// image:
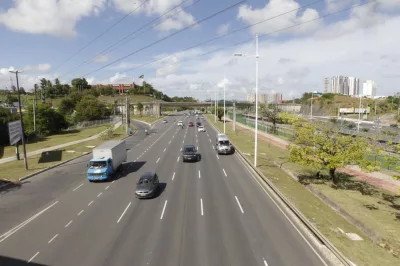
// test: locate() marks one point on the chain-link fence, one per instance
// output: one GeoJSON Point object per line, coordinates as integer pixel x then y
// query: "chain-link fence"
{"type": "Point", "coordinates": [95, 123]}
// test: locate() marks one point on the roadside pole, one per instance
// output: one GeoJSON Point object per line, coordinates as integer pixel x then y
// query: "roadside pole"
{"type": "Point", "coordinates": [234, 117]}
{"type": "Point", "coordinates": [127, 115]}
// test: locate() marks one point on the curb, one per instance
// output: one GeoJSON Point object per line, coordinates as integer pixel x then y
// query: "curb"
{"type": "Point", "coordinates": [318, 239]}
{"type": "Point", "coordinates": [56, 165]}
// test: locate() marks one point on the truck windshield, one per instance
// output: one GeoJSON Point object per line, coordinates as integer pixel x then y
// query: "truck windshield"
{"type": "Point", "coordinates": [94, 165]}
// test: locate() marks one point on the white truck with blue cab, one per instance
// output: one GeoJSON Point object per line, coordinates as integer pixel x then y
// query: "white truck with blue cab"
{"type": "Point", "coordinates": [107, 159]}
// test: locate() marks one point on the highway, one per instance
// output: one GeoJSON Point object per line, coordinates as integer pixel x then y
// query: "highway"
{"type": "Point", "coordinates": [212, 212]}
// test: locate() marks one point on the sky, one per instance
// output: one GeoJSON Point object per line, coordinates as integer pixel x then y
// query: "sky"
{"type": "Point", "coordinates": [187, 47]}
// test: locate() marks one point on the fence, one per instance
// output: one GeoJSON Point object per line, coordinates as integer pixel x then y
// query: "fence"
{"type": "Point", "coordinates": [95, 123]}
{"type": "Point", "coordinates": [282, 131]}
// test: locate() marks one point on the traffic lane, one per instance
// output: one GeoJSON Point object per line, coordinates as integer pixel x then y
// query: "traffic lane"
{"type": "Point", "coordinates": [177, 241]}
{"type": "Point", "coordinates": [228, 240]}
{"type": "Point", "coordinates": [70, 203]}
{"type": "Point", "coordinates": [84, 232]}
{"type": "Point", "coordinates": [264, 221]}
{"type": "Point", "coordinates": [38, 191]}
{"type": "Point", "coordinates": [148, 229]}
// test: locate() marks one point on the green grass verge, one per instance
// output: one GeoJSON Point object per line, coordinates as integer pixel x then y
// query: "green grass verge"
{"type": "Point", "coordinates": [146, 118]}
{"type": "Point", "coordinates": [322, 216]}
{"type": "Point", "coordinates": [15, 169]}
{"type": "Point", "coordinates": [55, 140]}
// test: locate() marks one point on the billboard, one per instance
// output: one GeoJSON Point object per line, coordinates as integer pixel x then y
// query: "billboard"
{"type": "Point", "coordinates": [14, 131]}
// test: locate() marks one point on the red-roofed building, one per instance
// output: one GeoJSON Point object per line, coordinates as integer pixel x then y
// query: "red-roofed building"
{"type": "Point", "coordinates": [121, 88]}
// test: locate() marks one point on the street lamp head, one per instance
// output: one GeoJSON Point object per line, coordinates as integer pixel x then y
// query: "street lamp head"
{"type": "Point", "coordinates": [15, 71]}
{"type": "Point", "coordinates": [238, 54]}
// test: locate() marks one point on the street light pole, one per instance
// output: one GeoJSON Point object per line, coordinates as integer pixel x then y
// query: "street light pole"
{"type": "Point", "coordinates": [256, 126]}
{"type": "Point", "coordinates": [20, 118]}
{"type": "Point", "coordinates": [224, 106]}
{"type": "Point", "coordinates": [359, 115]}
{"type": "Point", "coordinates": [312, 96]}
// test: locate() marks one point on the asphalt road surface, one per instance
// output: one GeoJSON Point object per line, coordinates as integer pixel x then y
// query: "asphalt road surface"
{"type": "Point", "coordinates": [212, 212]}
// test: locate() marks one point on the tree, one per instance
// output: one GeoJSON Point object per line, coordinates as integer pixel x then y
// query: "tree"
{"type": "Point", "coordinates": [89, 109]}
{"type": "Point", "coordinates": [66, 106]}
{"type": "Point", "coordinates": [140, 108]}
{"type": "Point", "coordinates": [80, 84]}
{"type": "Point", "coordinates": [108, 91]}
{"type": "Point", "coordinates": [319, 146]}
{"type": "Point", "coordinates": [271, 113]}
{"type": "Point", "coordinates": [13, 89]}
{"type": "Point", "coordinates": [11, 99]}
{"type": "Point", "coordinates": [22, 91]}
{"type": "Point", "coordinates": [48, 120]}
{"type": "Point", "coordinates": [220, 113]}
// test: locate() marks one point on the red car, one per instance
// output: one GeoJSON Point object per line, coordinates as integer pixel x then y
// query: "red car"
{"type": "Point", "coordinates": [190, 124]}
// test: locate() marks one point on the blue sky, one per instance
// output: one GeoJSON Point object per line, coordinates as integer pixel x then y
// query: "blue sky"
{"type": "Point", "coordinates": [39, 36]}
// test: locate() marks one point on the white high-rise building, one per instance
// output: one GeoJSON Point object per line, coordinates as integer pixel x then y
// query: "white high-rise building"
{"type": "Point", "coordinates": [354, 86]}
{"type": "Point", "coordinates": [369, 88]}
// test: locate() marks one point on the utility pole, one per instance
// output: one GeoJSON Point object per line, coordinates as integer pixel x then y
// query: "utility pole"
{"type": "Point", "coordinates": [234, 117]}
{"type": "Point", "coordinates": [34, 110]}
{"type": "Point", "coordinates": [127, 116]}
{"type": "Point", "coordinates": [359, 116]}
{"type": "Point", "coordinates": [21, 120]}
{"type": "Point", "coordinates": [256, 125]}
{"type": "Point", "coordinates": [224, 105]}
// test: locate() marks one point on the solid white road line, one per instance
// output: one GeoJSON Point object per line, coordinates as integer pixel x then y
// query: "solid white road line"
{"type": "Point", "coordinates": [15, 229]}
{"type": "Point", "coordinates": [173, 176]}
{"type": "Point", "coordinates": [107, 187]}
{"type": "Point", "coordinates": [162, 213]}
{"type": "Point", "coordinates": [124, 212]}
{"type": "Point", "coordinates": [224, 172]}
{"type": "Point", "coordinates": [240, 206]}
{"type": "Point", "coordinates": [90, 203]}
{"type": "Point", "coordinates": [99, 194]}
{"type": "Point", "coordinates": [37, 253]}
{"type": "Point", "coordinates": [199, 174]}
{"type": "Point", "coordinates": [77, 187]}
{"type": "Point", "coordinates": [158, 160]}
{"type": "Point", "coordinates": [164, 149]}
{"type": "Point", "coordinates": [80, 212]}
{"type": "Point", "coordinates": [201, 205]}
{"type": "Point", "coordinates": [178, 159]}
{"type": "Point", "coordinates": [54, 237]}
{"type": "Point", "coordinates": [265, 262]}
{"type": "Point", "coordinates": [68, 224]}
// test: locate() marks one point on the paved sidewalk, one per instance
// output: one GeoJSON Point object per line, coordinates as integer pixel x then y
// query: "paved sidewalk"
{"type": "Point", "coordinates": [377, 179]}
{"type": "Point", "coordinates": [32, 153]}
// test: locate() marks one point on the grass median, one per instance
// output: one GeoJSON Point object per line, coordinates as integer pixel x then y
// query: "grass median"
{"type": "Point", "coordinates": [382, 220]}
{"type": "Point", "coordinates": [14, 170]}
{"type": "Point", "coordinates": [55, 140]}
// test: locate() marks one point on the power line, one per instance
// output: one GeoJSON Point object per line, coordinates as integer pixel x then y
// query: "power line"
{"type": "Point", "coordinates": [259, 36]}
{"type": "Point", "coordinates": [224, 35]}
{"type": "Point", "coordinates": [167, 37]}
{"type": "Point", "coordinates": [109, 49]}
{"type": "Point", "coordinates": [100, 35]}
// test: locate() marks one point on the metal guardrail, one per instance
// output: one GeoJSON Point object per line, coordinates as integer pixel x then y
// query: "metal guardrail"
{"type": "Point", "coordinates": [294, 210]}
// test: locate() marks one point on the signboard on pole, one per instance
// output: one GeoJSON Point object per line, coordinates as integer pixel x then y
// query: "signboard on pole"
{"type": "Point", "coordinates": [14, 131]}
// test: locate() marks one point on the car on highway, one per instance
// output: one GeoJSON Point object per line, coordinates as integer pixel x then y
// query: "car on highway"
{"type": "Point", "coordinates": [198, 124]}
{"type": "Point", "coordinates": [190, 124]}
{"type": "Point", "coordinates": [190, 154]}
{"type": "Point", "coordinates": [147, 185]}
{"type": "Point", "coordinates": [165, 121]}
{"type": "Point", "coordinates": [180, 123]}
{"type": "Point", "coordinates": [394, 125]}
{"type": "Point", "coordinates": [201, 129]}
{"type": "Point", "coordinates": [223, 145]}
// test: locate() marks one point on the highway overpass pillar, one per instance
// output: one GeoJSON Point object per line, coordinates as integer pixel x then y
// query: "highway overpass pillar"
{"type": "Point", "coordinates": [234, 117]}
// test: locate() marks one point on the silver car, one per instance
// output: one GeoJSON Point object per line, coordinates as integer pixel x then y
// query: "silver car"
{"type": "Point", "coordinates": [147, 186]}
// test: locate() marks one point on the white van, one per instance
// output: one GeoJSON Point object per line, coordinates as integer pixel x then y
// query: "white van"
{"type": "Point", "coordinates": [223, 145]}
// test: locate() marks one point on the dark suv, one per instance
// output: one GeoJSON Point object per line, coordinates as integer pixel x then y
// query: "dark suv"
{"type": "Point", "coordinates": [147, 186]}
{"type": "Point", "coordinates": [190, 154]}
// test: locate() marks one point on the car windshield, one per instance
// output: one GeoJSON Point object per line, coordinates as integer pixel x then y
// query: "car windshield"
{"type": "Point", "coordinates": [144, 181]}
{"type": "Point", "coordinates": [95, 165]}
{"type": "Point", "coordinates": [224, 142]}
{"type": "Point", "coordinates": [189, 149]}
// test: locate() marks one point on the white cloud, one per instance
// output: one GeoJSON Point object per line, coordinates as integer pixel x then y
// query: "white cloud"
{"type": "Point", "coordinates": [388, 4]}
{"type": "Point", "coordinates": [175, 20]}
{"type": "Point", "coordinates": [118, 78]}
{"type": "Point", "coordinates": [101, 58]}
{"type": "Point", "coordinates": [167, 66]}
{"type": "Point", "coordinates": [37, 68]}
{"type": "Point", "coordinates": [124, 65]}
{"type": "Point", "coordinates": [276, 7]}
{"type": "Point", "coordinates": [336, 5]}
{"type": "Point", "coordinates": [297, 65]}
{"type": "Point", "coordinates": [223, 29]}
{"type": "Point", "coordinates": [50, 17]}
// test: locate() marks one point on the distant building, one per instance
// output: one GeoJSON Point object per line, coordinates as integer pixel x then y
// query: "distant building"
{"type": "Point", "coordinates": [354, 86]}
{"type": "Point", "coordinates": [369, 88]}
{"type": "Point", "coordinates": [251, 97]}
{"type": "Point", "coordinates": [326, 85]}
{"type": "Point", "coordinates": [345, 85]}
{"type": "Point", "coordinates": [265, 98]}
{"type": "Point", "coordinates": [120, 88]}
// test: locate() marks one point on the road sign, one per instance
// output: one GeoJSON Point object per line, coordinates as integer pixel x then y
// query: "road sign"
{"type": "Point", "coordinates": [14, 131]}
